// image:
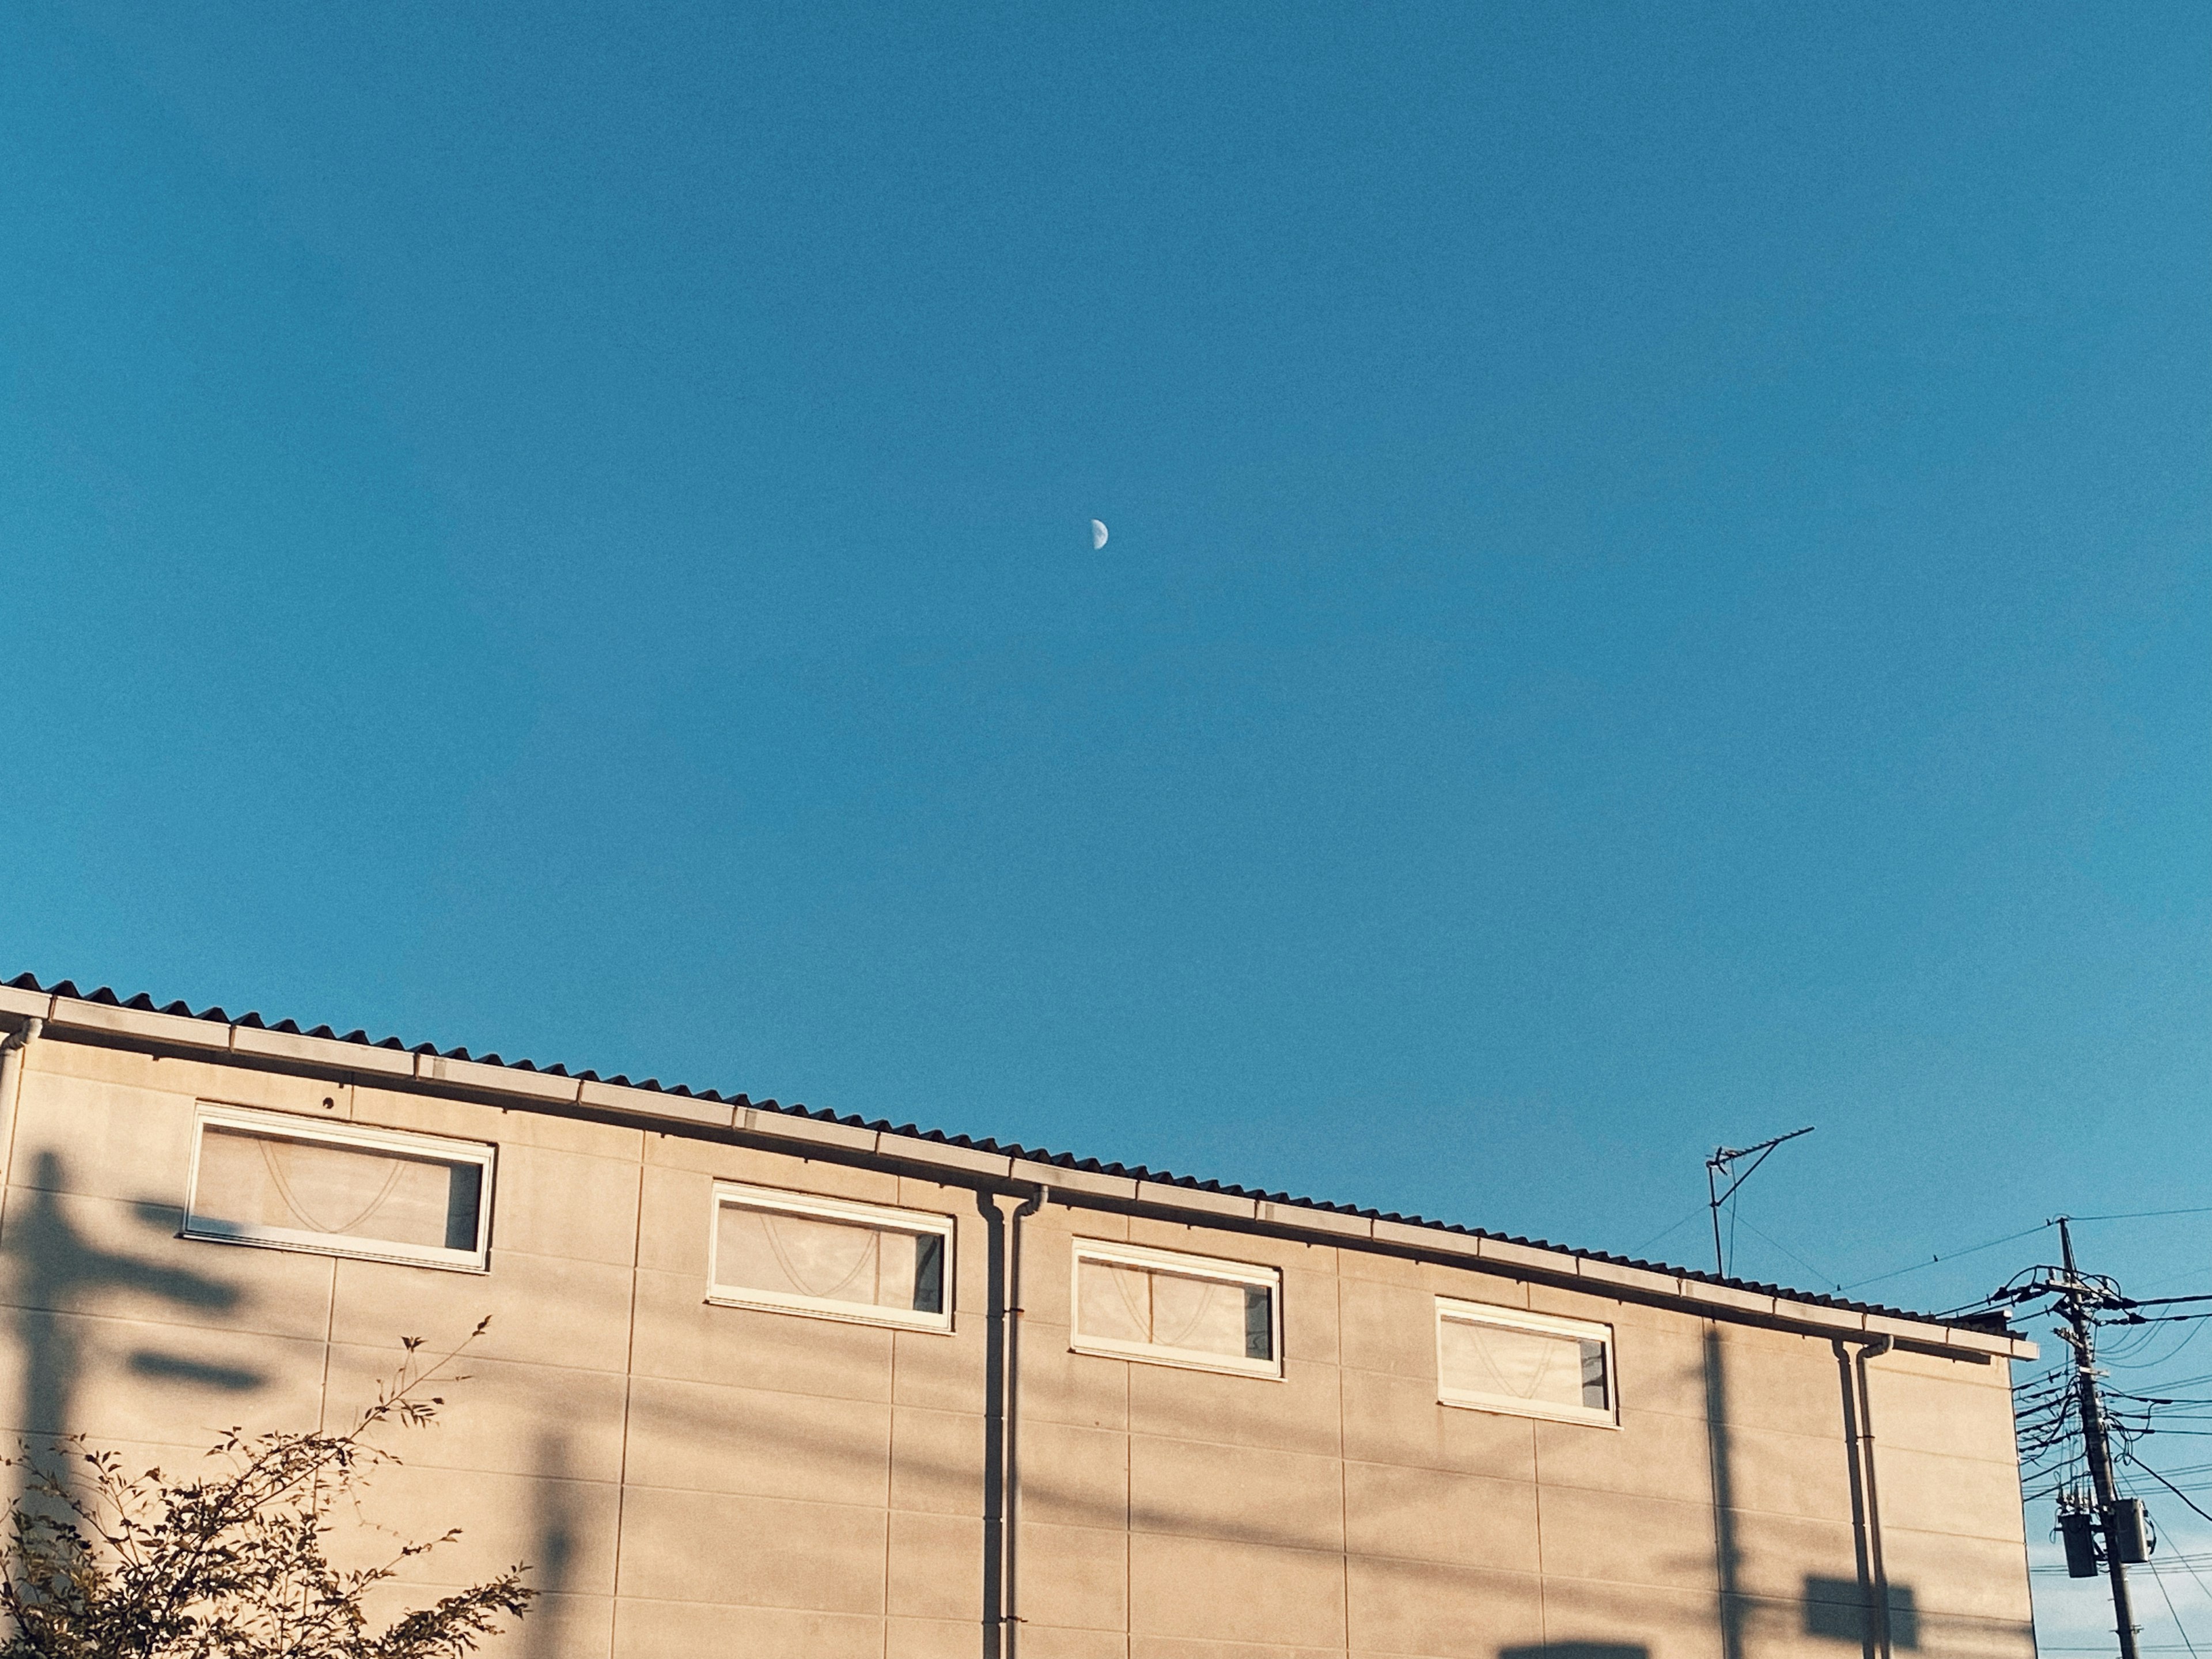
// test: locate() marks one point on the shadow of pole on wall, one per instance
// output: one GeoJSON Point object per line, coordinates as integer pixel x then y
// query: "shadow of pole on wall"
{"type": "Point", "coordinates": [555, 1547]}
{"type": "Point", "coordinates": [58, 1275]}
{"type": "Point", "coordinates": [1726, 1553]}
{"type": "Point", "coordinates": [1577, 1651]}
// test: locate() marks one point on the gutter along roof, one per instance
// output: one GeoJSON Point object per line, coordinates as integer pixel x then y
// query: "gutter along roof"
{"type": "Point", "coordinates": [102, 1014]}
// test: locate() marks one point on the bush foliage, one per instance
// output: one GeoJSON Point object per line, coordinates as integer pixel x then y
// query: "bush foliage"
{"type": "Point", "coordinates": [231, 1563]}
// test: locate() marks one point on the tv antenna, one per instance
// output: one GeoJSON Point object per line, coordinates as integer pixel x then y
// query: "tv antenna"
{"type": "Point", "coordinates": [1721, 1166]}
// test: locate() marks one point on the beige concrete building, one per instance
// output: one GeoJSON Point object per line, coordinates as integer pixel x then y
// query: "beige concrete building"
{"type": "Point", "coordinates": [752, 1386]}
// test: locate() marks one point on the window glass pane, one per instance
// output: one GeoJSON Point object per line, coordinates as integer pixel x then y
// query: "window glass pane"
{"type": "Point", "coordinates": [1202, 1314]}
{"type": "Point", "coordinates": [1594, 1382]}
{"type": "Point", "coordinates": [1259, 1323]}
{"type": "Point", "coordinates": [829, 1259]}
{"type": "Point", "coordinates": [1544, 1367]}
{"type": "Point", "coordinates": [928, 1273]}
{"type": "Point", "coordinates": [1121, 1302]}
{"type": "Point", "coordinates": [256, 1182]}
{"type": "Point", "coordinates": [1116, 1302]}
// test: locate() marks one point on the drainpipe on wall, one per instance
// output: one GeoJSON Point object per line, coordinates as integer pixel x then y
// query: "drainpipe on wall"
{"type": "Point", "coordinates": [11, 1090]}
{"type": "Point", "coordinates": [1873, 1349]}
{"type": "Point", "coordinates": [1010, 1610]}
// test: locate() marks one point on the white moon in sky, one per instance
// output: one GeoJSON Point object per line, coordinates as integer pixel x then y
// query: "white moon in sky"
{"type": "Point", "coordinates": [1098, 535]}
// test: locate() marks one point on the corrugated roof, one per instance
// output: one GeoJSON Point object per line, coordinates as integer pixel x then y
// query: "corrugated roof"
{"type": "Point", "coordinates": [1988, 1323]}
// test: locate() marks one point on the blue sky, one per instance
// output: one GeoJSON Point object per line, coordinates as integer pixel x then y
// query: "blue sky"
{"type": "Point", "coordinates": [1658, 588]}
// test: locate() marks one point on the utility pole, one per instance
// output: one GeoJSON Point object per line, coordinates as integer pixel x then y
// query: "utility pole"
{"type": "Point", "coordinates": [1722, 1164]}
{"type": "Point", "coordinates": [2076, 1299]}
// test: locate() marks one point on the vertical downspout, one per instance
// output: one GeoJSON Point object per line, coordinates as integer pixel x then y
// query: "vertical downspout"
{"type": "Point", "coordinates": [995, 1424]}
{"type": "Point", "coordinates": [1873, 1350]}
{"type": "Point", "coordinates": [1012, 1414]}
{"type": "Point", "coordinates": [11, 1090]}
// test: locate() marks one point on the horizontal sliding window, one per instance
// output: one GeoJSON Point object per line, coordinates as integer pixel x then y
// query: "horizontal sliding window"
{"type": "Point", "coordinates": [1533, 1364]}
{"type": "Point", "coordinates": [798, 1254]}
{"type": "Point", "coordinates": [268, 1178]}
{"type": "Point", "coordinates": [1177, 1309]}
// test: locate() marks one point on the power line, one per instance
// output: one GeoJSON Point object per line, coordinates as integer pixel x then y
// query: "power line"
{"type": "Point", "coordinates": [2159, 1578]}
{"type": "Point", "coordinates": [2166, 1483]}
{"type": "Point", "coordinates": [2142, 1215]}
{"type": "Point", "coordinates": [1670, 1232]}
{"type": "Point", "coordinates": [1975, 1249]}
{"type": "Point", "coordinates": [1972, 1250]}
{"type": "Point", "coordinates": [1824, 1278]}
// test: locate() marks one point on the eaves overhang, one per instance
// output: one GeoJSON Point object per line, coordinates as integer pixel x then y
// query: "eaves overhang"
{"type": "Point", "coordinates": [102, 1016]}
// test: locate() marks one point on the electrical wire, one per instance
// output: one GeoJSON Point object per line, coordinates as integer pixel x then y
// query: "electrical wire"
{"type": "Point", "coordinates": [1824, 1278]}
{"type": "Point", "coordinates": [2159, 1578]}
{"type": "Point", "coordinates": [1670, 1232]}
{"type": "Point", "coordinates": [2142, 1215]}
{"type": "Point", "coordinates": [2166, 1483]}
{"type": "Point", "coordinates": [1972, 1250]}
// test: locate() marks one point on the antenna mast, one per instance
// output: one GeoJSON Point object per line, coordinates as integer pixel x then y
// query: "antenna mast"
{"type": "Point", "coordinates": [1720, 1167]}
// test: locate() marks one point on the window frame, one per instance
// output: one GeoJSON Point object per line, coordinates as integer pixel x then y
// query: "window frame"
{"type": "Point", "coordinates": [1250, 1274]}
{"type": "Point", "coordinates": [1456, 1309]}
{"type": "Point", "coordinates": [360, 1137]}
{"type": "Point", "coordinates": [884, 1217]}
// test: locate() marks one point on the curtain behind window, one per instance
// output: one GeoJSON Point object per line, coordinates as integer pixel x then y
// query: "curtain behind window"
{"type": "Point", "coordinates": [1543, 1366]}
{"type": "Point", "coordinates": [832, 1261]}
{"type": "Point", "coordinates": [1119, 1303]}
{"type": "Point", "coordinates": [254, 1182]}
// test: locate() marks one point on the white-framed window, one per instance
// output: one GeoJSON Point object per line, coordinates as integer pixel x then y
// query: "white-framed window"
{"type": "Point", "coordinates": [831, 1257]}
{"type": "Point", "coordinates": [1505, 1359]}
{"type": "Point", "coordinates": [1176, 1309]}
{"type": "Point", "coordinates": [298, 1183]}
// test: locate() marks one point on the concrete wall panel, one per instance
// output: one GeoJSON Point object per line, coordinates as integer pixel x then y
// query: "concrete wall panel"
{"type": "Point", "coordinates": [759, 1443]}
{"type": "Point", "coordinates": [945, 1372]}
{"type": "Point", "coordinates": [1397, 1419]}
{"type": "Point", "coordinates": [103, 1255]}
{"type": "Point", "coordinates": [1592, 1614]}
{"type": "Point", "coordinates": [1241, 1493]}
{"type": "Point", "coordinates": [1439, 1612]}
{"type": "Point", "coordinates": [936, 1461]}
{"type": "Point", "coordinates": [1075, 1577]}
{"type": "Point", "coordinates": [1214, 1590]}
{"type": "Point", "coordinates": [99, 1138]}
{"type": "Point", "coordinates": [1432, 1514]}
{"type": "Point", "coordinates": [1390, 1328]}
{"type": "Point", "coordinates": [171, 1384]}
{"type": "Point", "coordinates": [1074, 1477]}
{"type": "Point", "coordinates": [545, 1310]}
{"type": "Point", "coordinates": [502, 1418]}
{"type": "Point", "coordinates": [645, 1629]}
{"type": "Point", "coordinates": [753, 1552]}
{"type": "Point", "coordinates": [936, 1567]}
{"type": "Point", "coordinates": [932, 1638]}
{"type": "Point", "coordinates": [548, 1202]}
{"type": "Point", "coordinates": [1662, 1543]}
{"type": "Point", "coordinates": [1082, 1390]}
{"type": "Point", "coordinates": [1926, 1492]}
{"type": "Point", "coordinates": [681, 1335]}
{"type": "Point", "coordinates": [1302, 1412]}
{"type": "Point", "coordinates": [1650, 1455]}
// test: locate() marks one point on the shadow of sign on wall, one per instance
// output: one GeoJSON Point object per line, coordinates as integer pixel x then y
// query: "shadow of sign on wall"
{"type": "Point", "coordinates": [58, 1275]}
{"type": "Point", "coordinates": [1836, 1608]}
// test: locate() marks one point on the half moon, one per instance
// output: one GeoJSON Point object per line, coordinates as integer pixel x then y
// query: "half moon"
{"type": "Point", "coordinates": [1098, 535]}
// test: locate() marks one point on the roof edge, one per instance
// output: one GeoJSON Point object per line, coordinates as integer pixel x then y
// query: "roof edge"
{"type": "Point", "coordinates": [100, 1014]}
